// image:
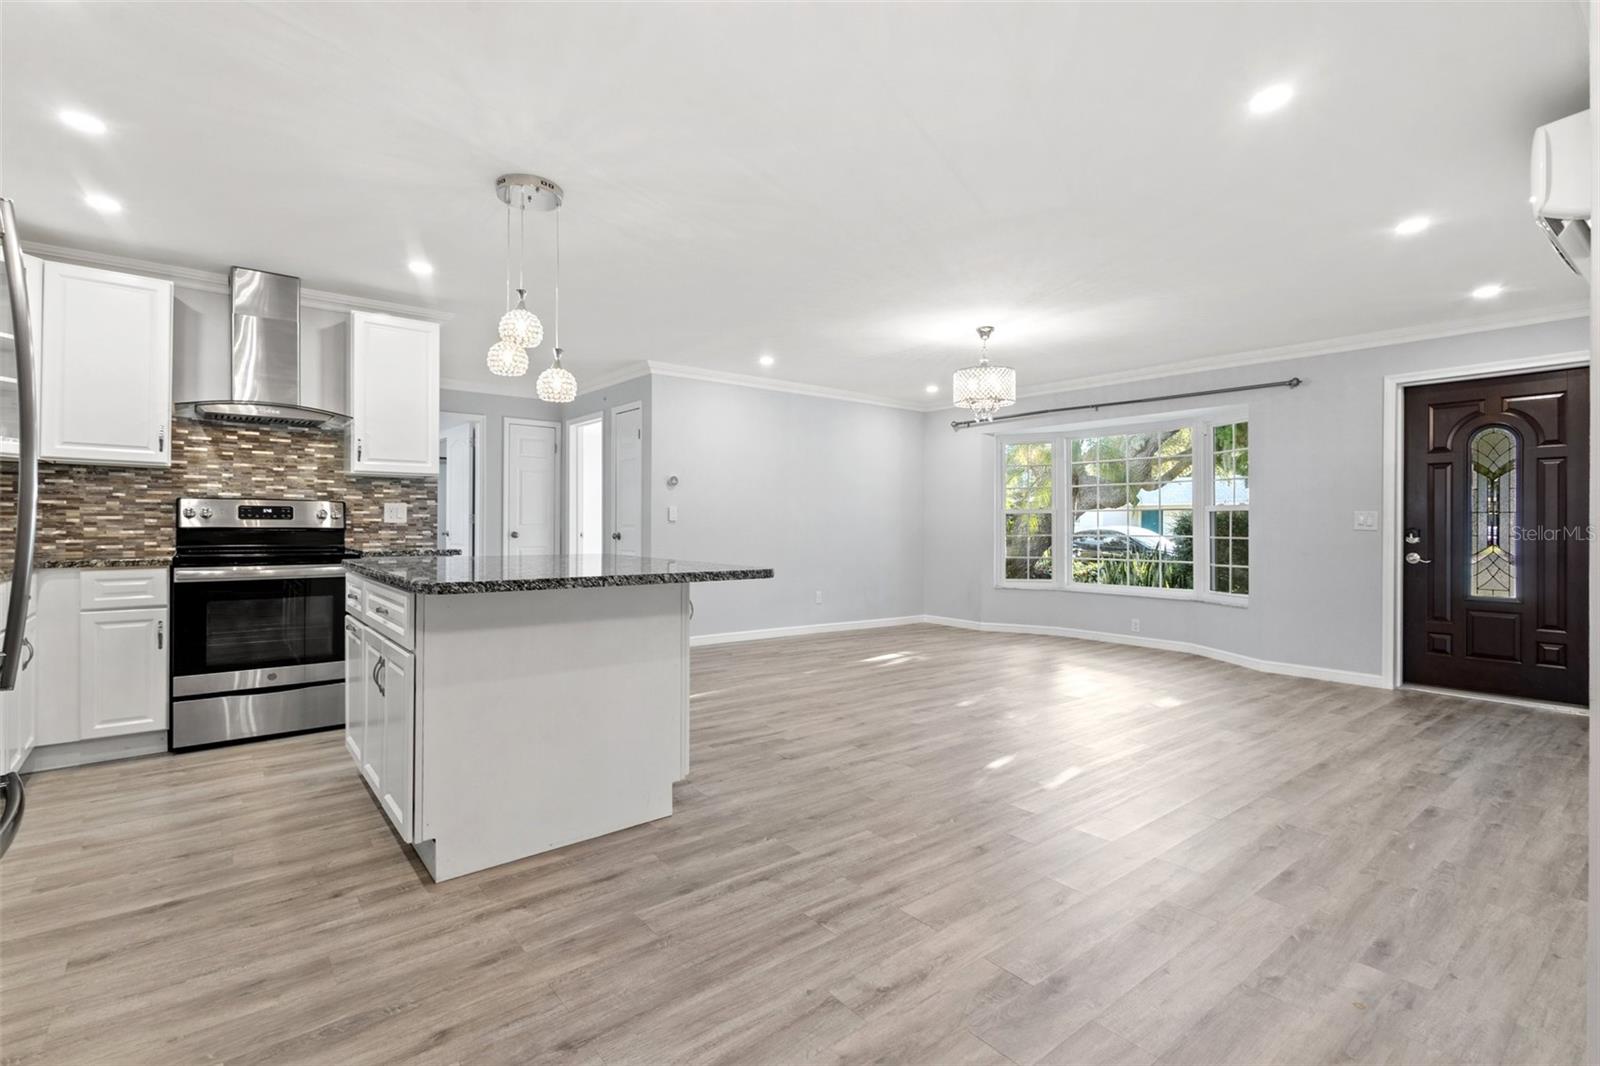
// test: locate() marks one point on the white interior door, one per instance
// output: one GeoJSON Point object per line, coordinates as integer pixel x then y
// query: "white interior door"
{"type": "Point", "coordinates": [457, 481]}
{"type": "Point", "coordinates": [531, 482]}
{"type": "Point", "coordinates": [627, 478]}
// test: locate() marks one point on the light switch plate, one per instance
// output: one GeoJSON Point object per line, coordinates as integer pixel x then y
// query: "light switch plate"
{"type": "Point", "coordinates": [1367, 521]}
{"type": "Point", "coordinates": [394, 512]}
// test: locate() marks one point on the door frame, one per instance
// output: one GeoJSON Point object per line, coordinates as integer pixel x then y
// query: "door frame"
{"type": "Point", "coordinates": [480, 430]}
{"type": "Point", "coordinates": [569, 479]}
{"type": "Point", "coordinates": [610, 474]}
{"type": "Point", "coordinates": [1393, 502]}
{"type": "Point", "coordinates": [506, 422]}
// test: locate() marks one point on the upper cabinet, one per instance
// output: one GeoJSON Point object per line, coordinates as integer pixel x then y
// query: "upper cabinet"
{"type": "Point", "coordinates": [106, 343]}
{"type": "Point", "coordinates": [10, 411]}
{"type": "Point", "coordinates": [394, 395]}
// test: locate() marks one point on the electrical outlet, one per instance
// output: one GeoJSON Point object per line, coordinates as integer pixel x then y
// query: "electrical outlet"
{"type": "Point", "coordinates": [819, 595]}
{"type": "Point", "coordinates": [1135, 623]}
{"type": "Point", "coordinates": [1367, 521]}
{"type": "Point", "coordinates": [672, 512]}
{"type": "Point", "coordinates": [394, 512]}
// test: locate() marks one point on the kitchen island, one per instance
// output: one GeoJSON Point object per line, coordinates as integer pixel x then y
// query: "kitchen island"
{"type": "Point", "coordinates": [502, 706]}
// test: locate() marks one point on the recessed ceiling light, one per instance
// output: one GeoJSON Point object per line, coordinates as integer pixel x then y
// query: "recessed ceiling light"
{"type": "Point", "coordinates": [103, 203]}
{"type": "Point", "coordinates": [766, 360]}
{"type": "Point", "coordinates": [81, 121]}
{"type": "Point", "coordinates": [931, 389]}
{"type": "Point", "coordinates": [421, 268]}
{"type": "Point", "coordinates": [1487, 292]}
{"type": "Point", "coordinates": [1409, 227]}
{"type": "Point", "coordinates": [1272, 98]}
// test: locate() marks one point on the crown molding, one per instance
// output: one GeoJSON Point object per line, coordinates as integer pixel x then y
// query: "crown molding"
{"type": "Point", "coordinates": [494, 386]}
{"type": "Point", "coordinates": [748, 381]}
{"type": "Point", "coordinates": [625, 372]}
{"type": "Point", "coordinates": [213, 282]}
{"type": "Point", "coordinates": [1352, 343]}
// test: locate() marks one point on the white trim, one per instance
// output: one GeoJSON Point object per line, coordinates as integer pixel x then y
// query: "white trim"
{"type": "Point", "coordinates": [480, 440]}
{"type": "Point", "coordinates": [494, 386]}
{"type": "Point", "coordinates": [1393, 502]}
{"type": "Point", "coordinates": [1310, 349]}
{"type": "Point", "coordinates": [750, 381]}
{"type": "Point", "coordinates": [1266, 666]}
{"type": "Point", "coordinates": [213, 282]}
{"type": "Point", "coordinates": [742, 635]}
{"type": "Point", "coordinates": [506, 421]}
{"type": "Point", "coordinates": [626, 372]}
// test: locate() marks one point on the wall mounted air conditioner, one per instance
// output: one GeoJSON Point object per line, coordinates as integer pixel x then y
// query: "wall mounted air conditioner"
{"type": "Point", "coordinates": [1562, 161]}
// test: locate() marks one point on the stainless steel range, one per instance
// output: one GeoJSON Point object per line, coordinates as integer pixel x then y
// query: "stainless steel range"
{"type": "Point", "coordinates": [257, 607]}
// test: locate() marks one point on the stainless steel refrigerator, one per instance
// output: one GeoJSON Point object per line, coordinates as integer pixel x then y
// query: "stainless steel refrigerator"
{"type": "Point", "coordinates": [19, 367]}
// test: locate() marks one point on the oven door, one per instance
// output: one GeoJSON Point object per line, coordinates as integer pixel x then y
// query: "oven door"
{"type": "Point", "coordinates": [238, 628]}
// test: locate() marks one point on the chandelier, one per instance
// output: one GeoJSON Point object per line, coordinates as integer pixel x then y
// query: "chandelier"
{"type": "Point", "coordinates": [556, 383]}
{"type": "Point", "coordinates": [985, 388]}
{"type": "Point", "coordinates": [520, 329]}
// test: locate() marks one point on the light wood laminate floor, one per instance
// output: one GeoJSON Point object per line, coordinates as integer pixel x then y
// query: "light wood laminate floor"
{"type": "Point", "coordinates": [914, 844]}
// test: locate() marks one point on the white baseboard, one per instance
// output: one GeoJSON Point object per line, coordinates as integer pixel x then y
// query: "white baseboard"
{"type": "Point", "coordinates": [742, 635]}
{"type": "Point", "coordinates": [1267, 666]}
{"type": "Point", "coordinates": [100, 749]}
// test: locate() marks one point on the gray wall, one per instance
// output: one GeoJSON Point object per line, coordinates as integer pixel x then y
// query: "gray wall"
{"type": "Point", "coordinates": [1316, 589]}
{"type": "Point", "coordinates": [496, 408]}
{"type": "Point", "coordinates": [827, 492]}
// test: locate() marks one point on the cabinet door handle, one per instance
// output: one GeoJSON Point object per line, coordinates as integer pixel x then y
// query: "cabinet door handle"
{"type": "Point", "coordinates": [358, 449]}
{"type": "Point", "coordinates": [161, 438]}
{"type": "Point", "coordinates": [382, 671]}
{"type": "Point", "coordinates": [161, 636]}
{"type": "Point", "coordinates": [380, 609]}
{"type": "Point", "coordinates": [27, 646]}
{"type": "Point", "coordinates": [350, 627]}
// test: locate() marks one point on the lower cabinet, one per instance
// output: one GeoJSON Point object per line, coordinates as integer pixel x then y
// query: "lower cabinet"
{"type": "Point", "coordinates": [19, 712]}
{"type": "Point", "coordinates": [380, 719]}
{"type": "Point", "coordinates": [122, 671]}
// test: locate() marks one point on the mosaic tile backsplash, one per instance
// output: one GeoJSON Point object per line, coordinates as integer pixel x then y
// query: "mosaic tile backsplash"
{"type": "Point", "coordinates": [105, 513]}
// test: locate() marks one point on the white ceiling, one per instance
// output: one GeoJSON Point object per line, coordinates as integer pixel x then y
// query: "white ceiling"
{"type": "Point", "coordinates": [852, 189]}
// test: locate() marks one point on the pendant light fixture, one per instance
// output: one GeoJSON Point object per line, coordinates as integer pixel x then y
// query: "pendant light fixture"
{"type": "Point", "coordinates": [556, 383]}
{"type": "Point", "coordinates": [985, 388]}
{"type": "Point", "coordinates": [520, 328]}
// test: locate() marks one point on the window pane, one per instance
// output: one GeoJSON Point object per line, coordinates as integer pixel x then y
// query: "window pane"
{"type": "Point", "coordinates": [1241, 551]}
{"type": "Point", "coordinates": [1222, 438]}
{"type": "Point", "coordinates": [1241, 580]}
{"type": "Point", "coordinates": [1177, 575]}
{"type": "Point", "coordinates": [1016, 569]}
{"type": "Point", "coordinates": [1222, 551]}
{"type": "Point", "coordinates": [1241, 523]}
{"type": "Point", "coordinates": [1241, 435]}
{"type": "Point", "coordinates": [1493, 451]}
{"type": "Point", "coordinates": [1219, 579]}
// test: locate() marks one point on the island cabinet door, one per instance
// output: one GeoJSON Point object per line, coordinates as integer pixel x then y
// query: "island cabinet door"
{"type": "Point", "coordinates": [355, 691]}
{"type": "Point", "coordinates": [397, 687]}
{"type": "Point", "coordinates": [369, 738]}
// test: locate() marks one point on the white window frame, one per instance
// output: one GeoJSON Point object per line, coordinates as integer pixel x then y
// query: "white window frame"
{"type": "Point", "coordinates": [1060, 440]}
{"type": "Point", "coordinates": [1235, 598]}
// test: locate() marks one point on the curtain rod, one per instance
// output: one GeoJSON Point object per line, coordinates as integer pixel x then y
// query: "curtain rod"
{"type": "Point", "coordinates": [1286, 383]}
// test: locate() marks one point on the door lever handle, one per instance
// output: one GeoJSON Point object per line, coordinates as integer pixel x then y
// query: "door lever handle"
{"type": "Point", "coordinates": [1414, 558]}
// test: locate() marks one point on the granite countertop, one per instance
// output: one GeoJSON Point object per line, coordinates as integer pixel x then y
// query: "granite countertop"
{"type": "Point", "coordinates": [458, 574]}
{"type": "Point", "coordinates": [143, 562]}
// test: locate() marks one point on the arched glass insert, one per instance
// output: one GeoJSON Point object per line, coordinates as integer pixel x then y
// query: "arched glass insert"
{"type": "Point", "coordinates": [1493, 453]}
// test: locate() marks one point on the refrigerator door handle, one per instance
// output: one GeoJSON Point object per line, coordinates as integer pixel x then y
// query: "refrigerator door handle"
{"type": "Point", "coordinates": [27, 459]}
{"type": "Point", "coordinates": [11, 787]}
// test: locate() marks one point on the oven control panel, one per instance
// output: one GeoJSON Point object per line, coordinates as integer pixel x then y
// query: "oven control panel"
{"type": "Point", "coordinates": [256, 514]}
{"type": "Point", "coordinates": [276, 512]}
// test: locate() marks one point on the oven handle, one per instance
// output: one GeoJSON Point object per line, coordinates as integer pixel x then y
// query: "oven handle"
{"type": "Point", "coordinates": [183, 575]}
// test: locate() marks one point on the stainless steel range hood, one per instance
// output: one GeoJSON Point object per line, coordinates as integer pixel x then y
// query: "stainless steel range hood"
{"type": "Point", "coordinates": [266, 359]}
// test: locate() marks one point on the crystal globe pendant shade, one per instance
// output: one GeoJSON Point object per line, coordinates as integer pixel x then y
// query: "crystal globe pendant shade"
{"type": "Point", "coordinates": [556, 384]}
{"type": "Point", "coordinates": [507, 359]}
{"type": "Point", "coordinates": [521, 326]}
{"type": "Point", "coordinates": [985, 388]}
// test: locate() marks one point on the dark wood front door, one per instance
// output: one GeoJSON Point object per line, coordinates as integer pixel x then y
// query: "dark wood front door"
{"type": "Point", "coordinates": [1495, 531]}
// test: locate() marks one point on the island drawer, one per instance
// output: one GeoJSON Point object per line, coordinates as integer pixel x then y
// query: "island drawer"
{"type": "Point", "coordinates": [389, 612]}
{"type": "Point", "coordinates": [355, 595]}
{"type": "Point", "coordinates": [115, 587]}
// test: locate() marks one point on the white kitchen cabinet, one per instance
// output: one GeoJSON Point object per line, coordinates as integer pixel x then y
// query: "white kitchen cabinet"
{"type": "Point", "coordinates": [10, 429]}
{"type": "Point", "coordinates": [380, 710]}
{"type": "Point", "coordinates": [394, 396]}
{"type": "Point", "coordinates": [355, 694]}
{"type": "Point", "coordinates": [106, 339]}
{"type": "Point", "coordinates": [396, 686]}
{"type": "Point", "coordinates": [19, 710]}
{"type": "Point", "coordinates": [122, 671]}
